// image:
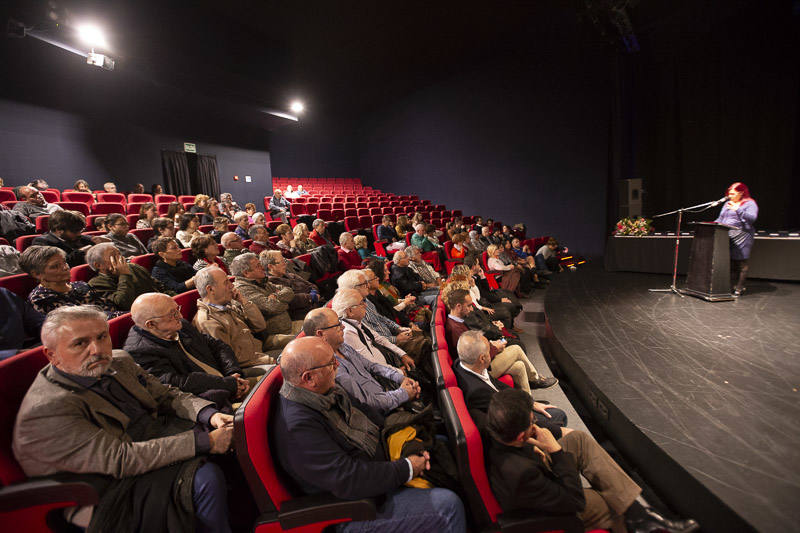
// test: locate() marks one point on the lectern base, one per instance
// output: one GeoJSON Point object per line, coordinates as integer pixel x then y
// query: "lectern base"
{"type": "Point", "coordinates": [721, 297]}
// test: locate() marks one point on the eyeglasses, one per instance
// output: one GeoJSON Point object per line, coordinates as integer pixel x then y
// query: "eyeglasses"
{"type": "Point", "coordinates": [332, 362]}
{"type": "Point", "coordinates": [337, 325]}
{"type": "Point", "coordinates": [362, 284]}
{"type": "Point", "coordinates": [175, 313]}
{"type": "Point", "coordinates": [362, 303]}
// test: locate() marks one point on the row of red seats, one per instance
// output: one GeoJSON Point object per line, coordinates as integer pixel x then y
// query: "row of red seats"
{"type": "Point", "coordinates": [69, 195]}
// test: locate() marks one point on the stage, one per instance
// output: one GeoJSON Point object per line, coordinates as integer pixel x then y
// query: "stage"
{"type": "Point", "coordinates": [702, 398]}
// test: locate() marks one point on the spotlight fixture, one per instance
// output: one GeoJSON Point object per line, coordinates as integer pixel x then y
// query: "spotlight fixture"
{"type": "Point", "coordinates": [297, 106]}
{"type": "Point", "coordinates": [92, 35]}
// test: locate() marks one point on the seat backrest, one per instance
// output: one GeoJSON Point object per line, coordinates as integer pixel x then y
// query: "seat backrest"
{"type": "Point", "coordinates": [111, 197]}
{"type": "Point", "coordinates": [134, 207]}
{"type": "Point", "coordinates": [105, 208]}
{"type": "Point", "coordinates": [188, 303]}
{"type": "Point", "coordinates": [6, 195]}
{"type": "Point", "coordinates": [184, 198]}
{"type": "Point", "coordinates": [253, 447]}
{"type": "Point", "coordinates": [81, 273]}
{"type": "Point", "coordinates": [19, 284]}
{"type": "Point", "coordinates": [23, 242]}
{"type": "Point", "coordinates": [466, 439]}
{"type": "Point", "coordinates": [16, 375]}
{"type": "Point", "coordinates": [146, 261]}
{"type": "Point", "coordinates": [448, 246]}
{"type": "Point", "coordinates": [42, 223]}
{"type": "Point", "coordinates": [75, 206]}
{"type": "Point", "coordinates": [351, 223]}
{"type": "Point", "coordinates": [139, 198]}
{"type": "Point", "coordinates": [165, 198]}
{"type": "Point", "coordinates": [118, 329]}
{"type": "Point", "coordinates": [143, 234]}
{"type": "Point", "coordinates": [51, 196]}
{"type": "Point", "coordinates": [76, 196]}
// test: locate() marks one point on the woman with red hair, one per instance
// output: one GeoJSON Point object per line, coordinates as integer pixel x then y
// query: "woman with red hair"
{"type": "Point", "coordinates": [740, 212]}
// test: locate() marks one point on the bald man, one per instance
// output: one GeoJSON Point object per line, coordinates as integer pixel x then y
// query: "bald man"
{"type": "Point", "coordinates": [32, 204]}
{"type": "Point", "coordinates": [327, 444]}
{"type": "Point", "coordinates": [378, 386]}
{"type": "Point", "coordinates": [171, 349]}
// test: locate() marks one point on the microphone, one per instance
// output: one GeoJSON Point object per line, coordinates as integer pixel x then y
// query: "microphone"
{"type": "Point", "coordinates": [717, 202]}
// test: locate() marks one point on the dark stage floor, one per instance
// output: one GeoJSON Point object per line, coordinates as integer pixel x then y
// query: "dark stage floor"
{"type": "Point", "coordinates": [713, 385]}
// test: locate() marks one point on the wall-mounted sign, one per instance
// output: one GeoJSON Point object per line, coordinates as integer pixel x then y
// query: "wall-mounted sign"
{"type": "Point", "coordinates": [248, 179]}
{"type": "Point", "coordinates": [190, 147]}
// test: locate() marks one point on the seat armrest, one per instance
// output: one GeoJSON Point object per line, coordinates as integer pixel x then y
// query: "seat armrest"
{"type": "Point", "coordinates": [322, 508]}
{"type": "Point", "coordinates": [42, 492]}
{"type": "Point", "coordinates": [525, 522]}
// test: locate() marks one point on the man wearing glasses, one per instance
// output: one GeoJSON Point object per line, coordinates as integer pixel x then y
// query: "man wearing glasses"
{"type": "Point", "coordinates": [360, 377]}
{"type": "Point", "coordinates": [177, 354]}
{"type": "Point", "coordinates": [326, 443]}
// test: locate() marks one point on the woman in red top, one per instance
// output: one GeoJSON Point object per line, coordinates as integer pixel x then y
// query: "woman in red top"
{"type": "Point", "coordinates": [206, 250]}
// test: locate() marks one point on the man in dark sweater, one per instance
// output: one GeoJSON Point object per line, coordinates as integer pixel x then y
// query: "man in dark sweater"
{"type": "Point", "coordinates": [326, 443]}
{"type": "Point", "coordinates": [529, 469]}
{"type": "Point", "coordinates": [65, 233]}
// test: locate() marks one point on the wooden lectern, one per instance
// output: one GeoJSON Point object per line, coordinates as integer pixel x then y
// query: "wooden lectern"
{"type": "Point", "coordinates": [709, 275]}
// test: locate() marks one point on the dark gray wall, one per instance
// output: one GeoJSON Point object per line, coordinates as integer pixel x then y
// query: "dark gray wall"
{"type": "Point", "coordinates": [315, 147]}
{"type": "Point", "coordinates": [61, 146]}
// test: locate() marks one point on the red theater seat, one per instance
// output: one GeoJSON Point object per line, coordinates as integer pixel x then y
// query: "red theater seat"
{"type": "Point", "coordinates": [81, 273]}
{"type": "Point", "coordinates": [186, 198]}
{"type": "Point", "coordinates": [188, 303]}
{"type": "Point", "coordinates": [111, 197]}
{"type": "Point", "coordinates": [133, 208]}
{"type": "Point", "coordinates": [75, 196]}
{"type": "Point", "coordinates": [147, 260]}
{"type": "Point", "coordinates": [139, 198]}
{"type": "Point", "coordinates": [118, 329]}
{"type": "Point", "coordinates": [51, 196]}
{"type": "Point", "coordinates": [19, 284]}
{"type": "Point", "coordinates": [7, 196]}
{"type": "Point", "coordinates": [75, 206]}
{"type": "Point", "coordinates": [165, 198]}
{"type": "Point", "coordinates": [106, 208]}
{"type": "Point", "coordinates": [23, 242]}
{"type": "Point", "coordinates": [280, 509]}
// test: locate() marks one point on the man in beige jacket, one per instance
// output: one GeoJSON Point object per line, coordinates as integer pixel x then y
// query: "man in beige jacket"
{"type": "Point", "coordinates": [93, 415]}
{"type": "Point", "coordinates": [273, 300]}
{"type": "Point", "coordinates": [224, 314]}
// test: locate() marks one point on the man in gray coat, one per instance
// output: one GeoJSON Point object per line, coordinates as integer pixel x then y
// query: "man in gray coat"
{"type": "Point", "coordinates": [94, 416]}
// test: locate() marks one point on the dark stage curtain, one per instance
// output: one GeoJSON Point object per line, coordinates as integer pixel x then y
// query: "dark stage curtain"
{"type": "Point", "coordinates": [175, 170]}
{"type": "Point", "coordinates": [713, 97]}
{"type": "Point", "coordinates": [207, 177]}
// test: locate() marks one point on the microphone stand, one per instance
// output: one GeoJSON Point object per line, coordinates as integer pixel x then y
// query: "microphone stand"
{"type": "Point", "coordinates": [673, 288]}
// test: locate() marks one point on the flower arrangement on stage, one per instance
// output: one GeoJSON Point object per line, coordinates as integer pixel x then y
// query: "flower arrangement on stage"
{"type": "Point", "coordinates": [634, 226]}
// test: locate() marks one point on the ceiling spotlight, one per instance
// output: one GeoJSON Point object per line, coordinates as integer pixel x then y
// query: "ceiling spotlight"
{"type": "Point", "coordinates": [297, 107]}
{"type": "Point", "coordinates": [92, 36]}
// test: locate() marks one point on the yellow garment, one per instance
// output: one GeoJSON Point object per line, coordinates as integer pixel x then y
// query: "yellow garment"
{"type": "Point", "coordinates": [396, 441]}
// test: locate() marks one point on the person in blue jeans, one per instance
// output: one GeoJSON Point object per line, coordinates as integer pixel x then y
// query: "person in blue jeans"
{"type": "Point", "coordinates": [328, 442]}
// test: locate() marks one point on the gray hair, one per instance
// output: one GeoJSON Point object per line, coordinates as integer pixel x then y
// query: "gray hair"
{"type": "Point", "coordinates": [343, 237]}
{"type": "Point", "coordinates": [227, 237]}
{"type": "Point", "coordinates": [350, 279]}
{"type": "Point", "coordinates": [418, 226]}
{"type": "Point", "coordinates": [240, 214]}
{"type": "Point", "coordinates": [271, 257]}
{"type": "Point", "coordinates": [241, 264]}
{"type": "Point", "coordinates": [344, 300]}
{"type": "Point", "coordinates": [314, 320]}
{"type": "Point", "coordinates": [95, 254]}
{"type": "Point", "coordinates": [473, 234]}
{"type": "Point", "coordinates": [223, 196]}
{"type": "Point", "coordinates": [471, 345]}
{"type": "Point", "coordinates": [34, 258]}
{"type": "Point", "coordinates": [317, 222]}
{"type": "Point", "coordinates": [253, 231]}
{"type": "Point", "coordinates": [58, 318]}
{"type": "Point", "coordinates": [412, 250]}
{"type": "Point", "coordinates": [203, 279]}
{"type": "Point", "coordinates": [399, 254]}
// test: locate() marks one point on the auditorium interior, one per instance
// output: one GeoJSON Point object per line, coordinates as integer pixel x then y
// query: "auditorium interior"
{"type": "Point", "coordinates": [606, 189]}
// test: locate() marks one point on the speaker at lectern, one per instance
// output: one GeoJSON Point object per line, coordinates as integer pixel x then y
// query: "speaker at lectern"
{"type": "Point", "coordinates": [709, 275]}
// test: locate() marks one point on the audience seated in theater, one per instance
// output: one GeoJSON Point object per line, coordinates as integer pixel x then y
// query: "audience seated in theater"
{"type": "Point", "coordinates": [65, 233]}
{"type": "Point", "coordinates": [423, 269]}
{"type": "Point", "coordinates": [362, 379]}
{"type": "Point", "coordinates": [177, 354]}
{"type": "Point", "coordinates": [211, 212]}
{"type": "Point", "coordinates": [475, 242]}
{"type": "Point", "coordinates": [530, 469]}
{"type": "Point", "coordinates": [48, 265]}
{"type": "Point", "coordinates": [109, 187]}
{"type": "Point", "coordinates": [351, 308]}
{"type": "Point", "coordinates": [498, 304]}
{"type": "Point", "coordinates": [321, 236]}
{"type": "Point", "coordinates": [259, 218]}
{"type": "Point", "coordinates": [100, 224]}
{"type": "Point", "coordinates": [272, 300]}
{"type": "Point", "coordinates": [138, 188]}
{"type": "Point", "coordinates": [302, 243]}
{"type": "Point", "coordinates": [224, 314]}
{"type": "Point", "coordinates": [472, 373]}
{"type": "Point", "coordinates": [301, 191]}
{"type": "Point", "coordinates": [433, 234]}
{"type": "Point", "coordinates": [162, 227]}
{"type": "Point", "coordinates": [348, 256]}
{"type": "Point", "coordinates": [206, 253]}
{"type": "Point", "coordinates": [233, 245]}
{"type": "Point", "coordinates": [243, 224]}
{"type": "Point", "coordinates": [328, 442]}
{"type": "Point", "coordinates": [32, 204]}
{"type": "Point", "coordinates": [511, 272]}
{"type": "Point", "coordinates": [227, 197]}
{"type": "Point", "coordinates": [228, 209]}
{"type": "Point", "coordinates": [290, 193]}
{"type": "Point", "coordinates": [20, 326]}
{"type": "Point", "coordinates": [14, 224]}
{"type": "Point", "coordinates": [176, 275]}
{"type": "Point", "coordinates": [118, 281]}
{"type": "Point", "coordinates": [94, 412]}
{"type": "Point", "coordinates": [404, 309]}
{"type": "Point", "coordinates": [362, 247]}
{"type": "Point", "coordinates": [506, 359]}
{"type": "Point", "coordinates": [306, 294]}
{"type": "Point", "coordinates": [409, 282]}
{"type": "Point", "coordinates": [260, 237]}
{"type": "Point", "coordinates": [82, 185]}
{"type": "Point", "coordinates": [220, 228]}
{"type": "Point", "coordinates": [200, 202]}
{"type": "Point", "coordinates": [423, 240]}
{"type": "Point", "coordinates": [39, 184]}
{"type": "Point", "coordinates": [403, 226]}
{"type": "Point", "coordinates": [409, 339]}
{"type": "Point", "coordinates": [286, 242]}
{"type": "Point", "coordinates": [546, 260]}
{"type": "Point", "coordinates": [128, 244]}
{"type": "Point", "coordinates": [459, 249]}
{"type": "Point", "coordinates": [417, 218]}
{"type": "Point", "coordinates": [187, 229]}
{"type": "Point", "coordinates": [528, 277]}
{"type": "Point", "coordinates": [156, 189]}
{"type": "Point", "coordinates": [147, 213]}
{"type": "Point", "coordinates": [250, 209]}
{"type": "Point", "coordinates": [279, 207]}
{"type": "Point", "coordinates": [174, 212]}
{"type": "Point", "coordinates": [386, 232]}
